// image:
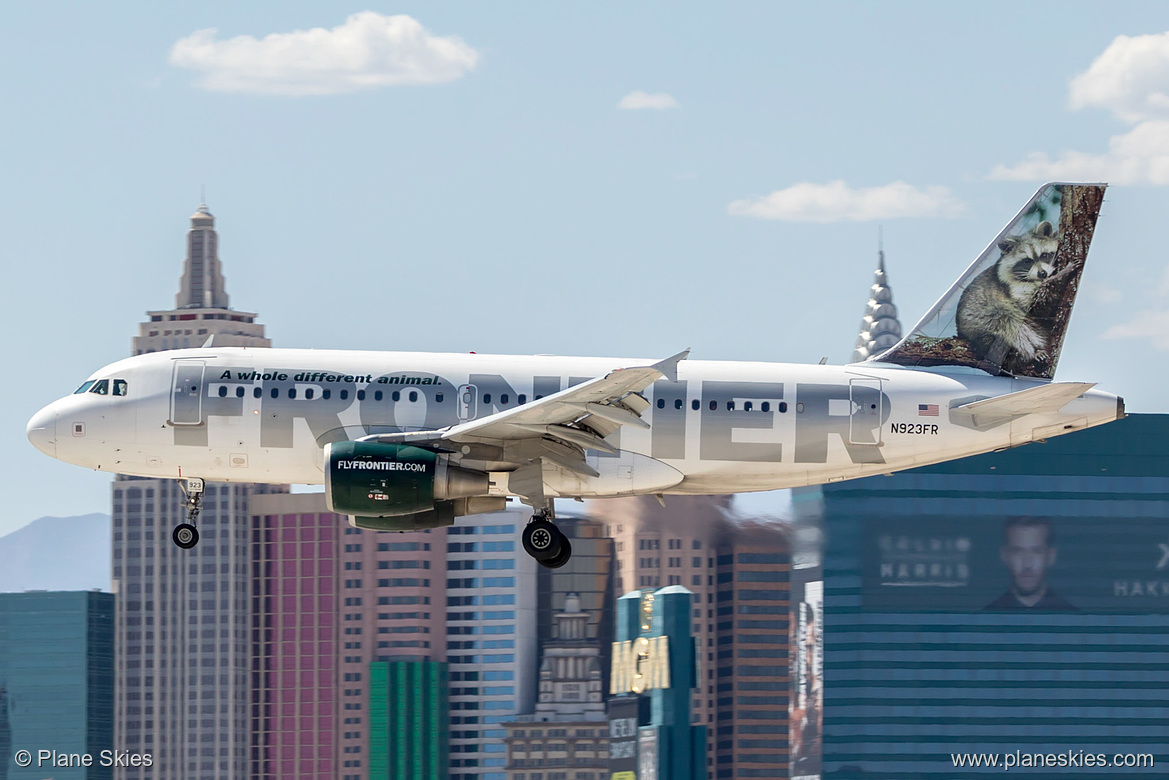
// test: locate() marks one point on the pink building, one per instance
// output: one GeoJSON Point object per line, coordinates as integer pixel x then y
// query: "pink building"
{"type": "Point", "coordinates": [295, 604]}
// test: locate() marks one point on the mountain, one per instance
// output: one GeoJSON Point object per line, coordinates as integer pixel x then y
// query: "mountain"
{"type": "Point", "coordinates": [57, 553]}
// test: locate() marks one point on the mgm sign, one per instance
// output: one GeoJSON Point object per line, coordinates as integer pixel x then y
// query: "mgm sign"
{"type": "Point", "coordinates": [642, 664]}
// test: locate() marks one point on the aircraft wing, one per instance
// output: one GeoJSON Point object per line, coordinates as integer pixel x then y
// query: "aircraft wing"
{"type": "Point", "coordinates": [557, 428]}
{"type": "Point", "coordinates": [576, 415]}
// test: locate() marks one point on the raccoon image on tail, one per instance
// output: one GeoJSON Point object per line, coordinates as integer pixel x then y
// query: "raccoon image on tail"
{"type": "Point", "coordinates": [994, 311]}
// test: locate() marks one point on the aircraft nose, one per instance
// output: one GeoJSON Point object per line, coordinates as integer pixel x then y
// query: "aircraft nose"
{"type": "Point", "coordinates": [42, 431]}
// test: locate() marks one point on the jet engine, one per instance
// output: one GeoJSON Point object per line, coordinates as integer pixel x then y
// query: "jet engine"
{"type": "Point", "coordinates": [398, 487]}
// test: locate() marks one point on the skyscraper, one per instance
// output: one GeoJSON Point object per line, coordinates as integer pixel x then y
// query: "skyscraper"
{"type": "Point", "coordinates": [740, 573]}
{"type": "Point", "coordinates": [880, 328]}
{"type": "Point", "coordinates": [56, 673]}
{"type": "Point", "coordinates": [183, 626]}
{"type": "Point", "coordinates": [1004, 602]}
{"type": "Point", "coordinates": [200, 310]}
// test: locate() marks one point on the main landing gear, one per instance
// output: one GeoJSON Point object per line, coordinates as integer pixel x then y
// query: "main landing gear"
{"type": "Point", "coordinates": [186, 535]}
{"type": "Point", "coordinates": [544, 541]}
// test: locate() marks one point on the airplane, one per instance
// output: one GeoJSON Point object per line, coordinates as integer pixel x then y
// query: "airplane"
{"type": "Point", "coordinates": [405, 440]}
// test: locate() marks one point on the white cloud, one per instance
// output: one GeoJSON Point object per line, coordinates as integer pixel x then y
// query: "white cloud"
{"type": "Point", "coordinates": [656, 100]}
{"type": "Point", "coordinates": [1150, 325]}
{"type": "Point", "coordinates": [1102, 294]}
{"type": "Point", "coordinates": [837, 202]}
{"type": "Point", "coordinates": [1140, 156]}
{"type": "Point", "coordinates": [368, 50]}
{"type": "Point", "coordinates": [1130, 79]}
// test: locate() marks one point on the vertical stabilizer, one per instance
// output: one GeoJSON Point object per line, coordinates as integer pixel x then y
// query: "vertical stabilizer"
{"type": "Point", "coordinates": [1009, 312]}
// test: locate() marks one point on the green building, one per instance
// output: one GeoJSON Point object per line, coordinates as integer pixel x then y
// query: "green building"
{"type": "Point", "coordinates": [57, 680]}
{"type": "Point", "coordinates": [409, 720]}
{"type": "Point", "coordinates": [1014, 603]}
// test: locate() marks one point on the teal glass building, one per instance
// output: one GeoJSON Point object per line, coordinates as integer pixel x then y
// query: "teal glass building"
{"type": "Point", "coordinates": [1015, 601]}
{"type": "Point", "coordinates": [57, 679]}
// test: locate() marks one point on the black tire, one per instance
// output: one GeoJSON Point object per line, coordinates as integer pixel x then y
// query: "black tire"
{"type": "Point", "coordinates": [185, 536]}
{"type": "Point", "coordinates": [560, 558]}
{"type": "Point", "coordinates": [542, 540]}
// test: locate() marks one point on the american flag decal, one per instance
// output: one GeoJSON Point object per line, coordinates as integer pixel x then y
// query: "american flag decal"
{"type": "Point", "coordinates": [927, 410]}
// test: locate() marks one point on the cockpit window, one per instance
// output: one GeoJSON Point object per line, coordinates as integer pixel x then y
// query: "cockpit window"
{"type": "Point", "coordinates": [84, 387]}
{"type": "Point", "coordinates": [120, 387]}
{"type": "Point", "coordinates": [101, 387]}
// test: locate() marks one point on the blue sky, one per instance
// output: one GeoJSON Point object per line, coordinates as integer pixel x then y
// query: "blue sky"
{"type": "Point", "coordinates": [464, 178]}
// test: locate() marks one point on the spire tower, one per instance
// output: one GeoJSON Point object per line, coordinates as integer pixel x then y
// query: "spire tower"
{"type": "Point", "coordinates": [201, 312]}
{"type": "Point", "coordinates": [880, 328]}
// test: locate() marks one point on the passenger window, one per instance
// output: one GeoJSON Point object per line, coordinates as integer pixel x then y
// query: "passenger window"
{"type": "Point", "coordinates": [257, 392]}
{"type": "Point", "coordinates": [377, 396]}
{"type": "Point", "coordinates": [766, 406]}
{"type": "Point", "coordinates": [523, 399]}
{"type": "Point", "coordinates": [747, 405]}
{"type": "Point", "coordinates": [782, 407]}
{"type": "Point", "coordinates": [713, 405]}
{"type": "Point", "coordinates": [344, 394]}
{"type": "Point", "coordinates": [413, 396]}
{"type": "Point", "coordinates": [360, 395]}
{"type": "Point", "coordinates": [503, 399]}
{"type": "Point", "coordinates": [120, 387]}
{"type": "Point", "coordinates": [223, 391]}
{"type": "Point", "coordinates": [275, 392]}
{"type": "Point", "coordinates": [396, 396]}
{"type": "Point", "coordinates": [84, 387]}
{"type": "Point", "coordinates": [677, 403]}
{"type": "Point", "coordinates": [292, 392]}
{"type": "Point", "coordinates": [661, 403]}
{"type": "Point", "coordinates": [438, 398]}
{"type": "Point", "coordinates": [239, 392]}
{"type": "Point", "coordinates": [730, 406]}
{"type": "Point", "coordinates": [695, 405]}
{"type": "Point", "coordinates": [308, 393]}
{"type": "Point", "coordinates": [101, 387]}
{"type": "Point", "coordinates": [326, 394]}
{"type": "Point", "coordinates": [487, 398]}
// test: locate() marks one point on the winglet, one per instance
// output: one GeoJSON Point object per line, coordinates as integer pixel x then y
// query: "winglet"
{"type": "Point", "coordinates": [669, 366]}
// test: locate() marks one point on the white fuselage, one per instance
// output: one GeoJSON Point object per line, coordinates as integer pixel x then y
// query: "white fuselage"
{"type": "Point", "coordinates": [264, 415]}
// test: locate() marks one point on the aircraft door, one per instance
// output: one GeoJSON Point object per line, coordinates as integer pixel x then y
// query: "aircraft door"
{"type": "Point", "coordinates": [186, 401]}
{"type": "Point", "coordinates": [467, 397]}
{"type": "Point", "coordinates": [864, 425]}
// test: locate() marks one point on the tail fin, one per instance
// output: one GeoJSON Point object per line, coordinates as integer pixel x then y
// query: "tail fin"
{"type": "Point", "coordinates": [1009, 312]}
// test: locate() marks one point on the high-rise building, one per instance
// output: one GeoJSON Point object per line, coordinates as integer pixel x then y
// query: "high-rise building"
{"type": "Point", "coordinates": [296, 604]}
{"type": "Point", "coordinates": [56, 680]}
{"type": "Point", "coordinates": [391, 625]}
{"type": "Point", "coordinates": [1013, 601]}
{"type": "Point", "coordinates": [740, 574]}
{"type": "Point", "coordinates": [491, 638]}
{"type": "Point", "coordinates": [201, 310]}
{"type": "Point", "coordinates": [752, 651]}
{"type": "Point", "coordinates": [880, 328]}
{"type": "Point", "coordinates": [184, 628]}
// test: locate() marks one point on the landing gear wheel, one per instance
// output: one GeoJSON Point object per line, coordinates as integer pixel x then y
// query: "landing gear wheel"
{"type": "Point", "coordinates": [542, 539]}
{"type": "Point", "coordinates": [185, 535]}
{"type": "Point", "coordinates": [560, 558]}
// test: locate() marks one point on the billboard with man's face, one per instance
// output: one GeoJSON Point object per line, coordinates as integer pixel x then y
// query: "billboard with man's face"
{"type": "Point", "coordinates": [1017, 564]}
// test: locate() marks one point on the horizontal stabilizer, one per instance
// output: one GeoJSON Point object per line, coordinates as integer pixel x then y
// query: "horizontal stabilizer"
{"type": "Point", "coordinates": [1036, 400]}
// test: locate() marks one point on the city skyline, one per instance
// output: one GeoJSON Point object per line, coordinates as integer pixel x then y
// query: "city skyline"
{"type": "Point", "coordinates": [689, 153]}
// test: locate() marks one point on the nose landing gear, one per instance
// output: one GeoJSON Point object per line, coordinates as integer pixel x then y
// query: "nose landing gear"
{"type": "Point", "coordinates": [186, 535]}
{"type": "Point", "coordinates": [544, 541]}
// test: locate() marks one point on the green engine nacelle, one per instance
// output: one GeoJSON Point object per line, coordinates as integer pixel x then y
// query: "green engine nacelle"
{"type": "Point", "coordinates": [379, 480]}
{"type": "Point", "coordinates": [369, 480]}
